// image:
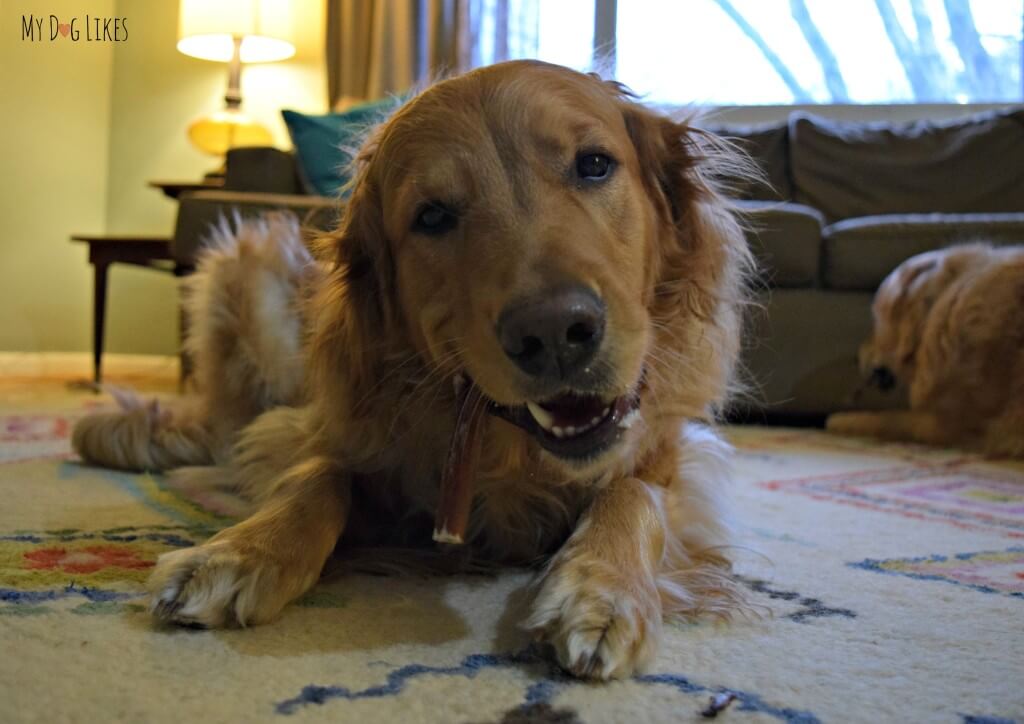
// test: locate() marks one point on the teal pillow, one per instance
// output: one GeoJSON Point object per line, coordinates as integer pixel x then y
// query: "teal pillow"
{"type": "Point", "coordinates": [321, 142]}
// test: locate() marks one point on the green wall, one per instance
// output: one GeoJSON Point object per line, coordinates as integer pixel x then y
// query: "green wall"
{"type": "Point", "coordinates": [86, 126]}
{"type": "Point", "coordinates": [55, 106]}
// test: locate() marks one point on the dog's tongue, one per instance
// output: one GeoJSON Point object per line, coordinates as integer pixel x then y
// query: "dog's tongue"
{"type": "Point", "coordinates": [452, 517]}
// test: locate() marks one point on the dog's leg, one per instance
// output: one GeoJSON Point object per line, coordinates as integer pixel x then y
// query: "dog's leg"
{"type": "Point", "coordinates": [599, 602]}
{"type": "Point", "coordinates": [895, 425]}
{"type": "Point", "coordinates": [1004, 436]}
{"type": "Point", "coordinates": [247, 573]}
{"type": "Point", "coordinates": [639, 553]}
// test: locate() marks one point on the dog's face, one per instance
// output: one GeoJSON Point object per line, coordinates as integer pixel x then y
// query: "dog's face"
{"type": "Point", "coordinates": [887, 357]}
{"type": "Point", "coordinates": [900, 310]}
{"type": "Point", "coordinates": [520, 217]}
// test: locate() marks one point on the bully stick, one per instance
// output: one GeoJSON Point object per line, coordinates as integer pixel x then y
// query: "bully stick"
{"type": "Point", "coordinates": [452, 517]}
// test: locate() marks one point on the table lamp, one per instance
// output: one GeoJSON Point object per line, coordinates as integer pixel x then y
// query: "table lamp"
{"type": "Point", "coordinates": [233, 32]}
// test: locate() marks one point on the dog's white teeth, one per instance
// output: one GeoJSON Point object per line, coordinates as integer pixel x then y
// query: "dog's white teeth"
{"type": "Point", "coordinates": [547, 422]}
{"type": "Point", "coordinates": [630, 419]}
{"type": "Point", "coordinates": [542, 416]}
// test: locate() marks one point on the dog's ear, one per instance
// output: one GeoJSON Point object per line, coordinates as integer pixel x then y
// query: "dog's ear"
{"type": "Point", "coordinates": [908, 337]}
{"type": "Point", "coordinates": [356, 329]}
{"type": "Point", "coordinates": [916, 297]}
{"type": "Point", "coordinates": [666, 157]}
{"type": "Point", "coordinates": [680, 162]}
{"type": "Point", "coordinates": [699, 266]}
{"type": "Point", "coordinates": [687, 172]}
{"type": "Point", "coordinates": [363, 260]}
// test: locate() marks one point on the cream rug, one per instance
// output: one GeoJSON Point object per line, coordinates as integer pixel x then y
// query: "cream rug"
{"type": "Point", "coordinates": [890, 581]}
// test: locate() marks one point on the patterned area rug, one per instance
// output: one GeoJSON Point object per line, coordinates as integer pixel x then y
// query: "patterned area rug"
{"type": "Point", "coordinates": [889, 582]}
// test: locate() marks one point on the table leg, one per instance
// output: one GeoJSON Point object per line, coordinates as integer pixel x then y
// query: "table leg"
{"type": "Point", "coordinates": [99, 311]}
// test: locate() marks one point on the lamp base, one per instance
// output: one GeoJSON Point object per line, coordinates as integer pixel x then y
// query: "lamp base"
{"type": "Point", "coordinates": [221, 130]}
{"type": "Point", "coordinates": [217, 174]}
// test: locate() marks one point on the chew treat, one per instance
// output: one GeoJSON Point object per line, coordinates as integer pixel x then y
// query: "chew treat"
{"type": "Point", "coordinates": [452, 516]}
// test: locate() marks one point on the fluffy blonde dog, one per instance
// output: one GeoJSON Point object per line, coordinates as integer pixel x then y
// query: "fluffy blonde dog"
{"type": "Point", "coordinates": [534, 231]}
{"type": "Point", "coordinates": [949, 326]}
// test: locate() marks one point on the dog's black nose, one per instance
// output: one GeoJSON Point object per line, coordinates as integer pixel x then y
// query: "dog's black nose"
{"type": "Point", "coordinates": [883, 377]}
{"type": "Point", "coordinates": [553, 334]}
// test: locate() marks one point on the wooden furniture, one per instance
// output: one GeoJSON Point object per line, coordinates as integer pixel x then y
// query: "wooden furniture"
{"type": "Point", "coordinates": [174, 189]}
{"type": "Point", "coordinates": [139, 250]}
{"type": "Point", "coordinates": [264, 179]}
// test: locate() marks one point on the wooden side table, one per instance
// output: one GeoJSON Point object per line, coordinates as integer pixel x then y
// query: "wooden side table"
{"type": "Point", "coordinates": [174, 189]}
{"type": "Point", "coordinates": [139, 250]}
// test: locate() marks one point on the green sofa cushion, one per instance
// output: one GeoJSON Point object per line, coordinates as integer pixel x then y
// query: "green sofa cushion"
{"type": "Point", "coordinates": [324, 144]}
{"type": "Point", "coordinates": [768, 145]}
{"type": "Point", "coordinates": [848, 170]}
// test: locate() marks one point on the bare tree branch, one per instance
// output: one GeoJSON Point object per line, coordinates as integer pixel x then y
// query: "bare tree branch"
{"type": "Point", "coordinates": [501, 30]}
{"type": "Point", "coordinates": [920, 84]}
{"type": "Point", "coordinates": [829, 65]}
{"type": "Point", "coordinates": [928, 51]}
{"type": "Point", "coordinates": [926, 46]}
{"type": "Point", "coordinates": [799, 94]}
{"type": "Point", "coordinates": [978, 67]}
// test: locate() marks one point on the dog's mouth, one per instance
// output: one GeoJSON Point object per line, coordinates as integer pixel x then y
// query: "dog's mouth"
{"type": "Point", "coordinates": [575, 426]}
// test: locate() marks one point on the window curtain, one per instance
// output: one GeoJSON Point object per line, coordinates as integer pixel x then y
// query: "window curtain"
{"type": "Point", "coordinates": [378, 47]}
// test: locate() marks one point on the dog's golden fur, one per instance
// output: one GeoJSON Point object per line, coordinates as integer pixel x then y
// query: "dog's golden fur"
{"type": "Point", "coordinates": [356, 453]}
{"type": "Point", "coordinates": [247, 308]}
{"type": "Point", "coordinates": [949, 326]}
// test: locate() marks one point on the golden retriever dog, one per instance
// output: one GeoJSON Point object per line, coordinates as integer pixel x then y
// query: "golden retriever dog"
{"type": "Point", "coordinates": [522, 228]}
{"type": "Point", "coordinates": [949, 327]}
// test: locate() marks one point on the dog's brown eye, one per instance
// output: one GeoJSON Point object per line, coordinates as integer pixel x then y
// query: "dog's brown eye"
{"type": "Point", "coordinates": [593, 166]}
{"type": "Point", "coordinates": [434, 218]}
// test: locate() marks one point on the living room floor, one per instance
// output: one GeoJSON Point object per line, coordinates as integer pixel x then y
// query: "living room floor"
{"type": "Point", "coordinates": [886, 583]}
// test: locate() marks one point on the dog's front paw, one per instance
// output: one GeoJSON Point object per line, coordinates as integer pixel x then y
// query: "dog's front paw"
{"type": "Point", "coordinates": [852, 423]}
{"type": "Point", "coordinates": [214, 585]}
{"type": "Point", "coordinates": [601, 622]}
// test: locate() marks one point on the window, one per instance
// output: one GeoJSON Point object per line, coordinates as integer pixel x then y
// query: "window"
{"type": "Point", "coordinates": [744, 52]}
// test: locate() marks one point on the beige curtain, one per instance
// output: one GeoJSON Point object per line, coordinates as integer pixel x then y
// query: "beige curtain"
{"type": "Point", "coordinates": [377, 47]}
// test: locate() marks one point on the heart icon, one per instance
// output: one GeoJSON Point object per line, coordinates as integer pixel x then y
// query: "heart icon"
{"type": "Point", "coordinates": [64, 29]}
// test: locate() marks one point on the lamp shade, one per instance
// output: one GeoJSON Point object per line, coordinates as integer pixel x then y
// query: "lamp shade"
{"type": "Point", "coordinates": [207, 29]}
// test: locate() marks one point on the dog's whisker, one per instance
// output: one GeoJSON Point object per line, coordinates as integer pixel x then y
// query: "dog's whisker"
{"type": "Point", "coordinates": [410, 358]}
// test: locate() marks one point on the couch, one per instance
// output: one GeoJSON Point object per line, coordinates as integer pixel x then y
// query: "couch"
{"type": "Point", "coordinates": [840, 206]}
{"type": "Point", "coordinates": [844, 203]}
{"type": "Point", "coordinates": [256, 180]}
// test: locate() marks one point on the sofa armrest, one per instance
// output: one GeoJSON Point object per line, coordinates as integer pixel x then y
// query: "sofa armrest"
{"type": "Point", "coordinates": [200, 211]}
{"type": "Point", "coordinates": [786, 239]}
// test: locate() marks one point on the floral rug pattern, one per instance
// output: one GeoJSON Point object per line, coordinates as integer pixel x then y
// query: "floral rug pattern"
{"type": "Point", "coordinates": [887, 583]}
